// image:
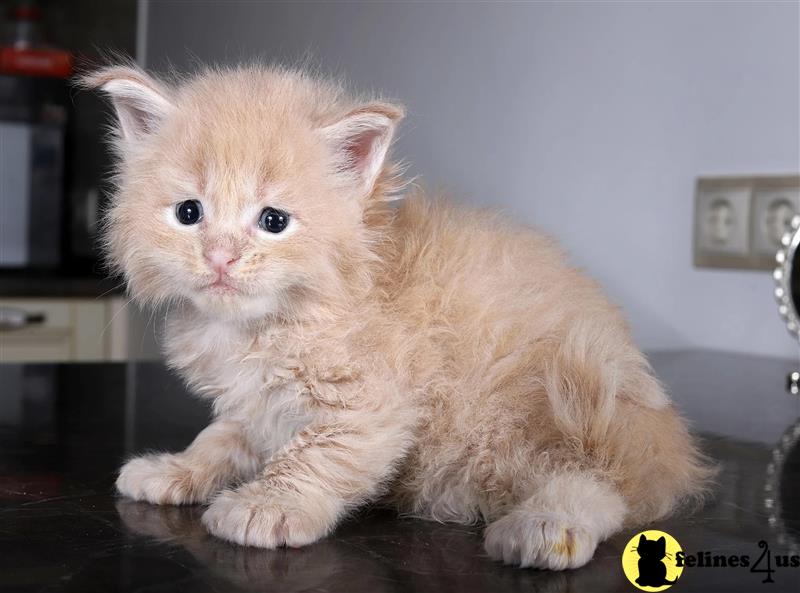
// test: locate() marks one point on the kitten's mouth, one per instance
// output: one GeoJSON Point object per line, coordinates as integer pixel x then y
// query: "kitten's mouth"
{"type": "Point", "coordinates": [221, 286]}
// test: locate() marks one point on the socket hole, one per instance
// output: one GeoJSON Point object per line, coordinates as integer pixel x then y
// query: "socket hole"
{"type": "Point", "coordinates": [778, 220]}
{"type": "Point", "coordinates": [720, 220]}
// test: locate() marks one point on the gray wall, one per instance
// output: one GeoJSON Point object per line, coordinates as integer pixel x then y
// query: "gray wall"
{"type": "Point", "coordinates": [589, 121]}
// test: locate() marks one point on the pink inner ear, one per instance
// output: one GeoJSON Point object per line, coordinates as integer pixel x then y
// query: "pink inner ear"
{"type": "Point", "coordinates": [140, 121]}
{"type": "Point", "coordinates": [359, 149]}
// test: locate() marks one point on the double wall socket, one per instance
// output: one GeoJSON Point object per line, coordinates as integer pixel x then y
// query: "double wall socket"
{"type": "Point", "coordinates": [739, 221]}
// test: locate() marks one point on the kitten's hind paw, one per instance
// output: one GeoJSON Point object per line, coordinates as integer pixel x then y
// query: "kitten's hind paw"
{"type": "Point", "coordinates": [539, 540]}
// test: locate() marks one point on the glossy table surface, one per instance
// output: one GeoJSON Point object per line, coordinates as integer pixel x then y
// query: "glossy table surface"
{"type": "Point", "coordinates": [64, 430]}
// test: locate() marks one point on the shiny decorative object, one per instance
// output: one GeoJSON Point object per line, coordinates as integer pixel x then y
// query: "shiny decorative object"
{"type": "Point", "coordinates": [787, 290]}
{"type": "Point", "coordinates": [780, 504]}
{"type": "Point", "coordinates": [787, 279]}
{"type": "Point", "coordinates": [793, 383]}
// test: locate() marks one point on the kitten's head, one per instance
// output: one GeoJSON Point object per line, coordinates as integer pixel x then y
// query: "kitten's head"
{"type": "Point", "coordinates": [243, 191]}
{"type": "Point", "coordinates": [652, 549]}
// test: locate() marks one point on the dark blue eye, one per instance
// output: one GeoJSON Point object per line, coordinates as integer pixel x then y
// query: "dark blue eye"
{"type": "Point", "coordinates": [189, 212]}
{"type": "Point", "coordinates": [273, 220]}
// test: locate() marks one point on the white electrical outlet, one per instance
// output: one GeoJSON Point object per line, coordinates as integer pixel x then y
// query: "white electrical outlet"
{"type": "Point", "coordinates": [739, 221]}
{"type": "Point", "coordinates": [722, 222]}
{"type": "Point", "coordinates": [772, 213]}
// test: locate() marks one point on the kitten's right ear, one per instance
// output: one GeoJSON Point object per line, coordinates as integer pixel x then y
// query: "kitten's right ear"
{"type": "Point", "coordinates": [141, 102]}
{"type": "Point", "coordinates": [642, 539]}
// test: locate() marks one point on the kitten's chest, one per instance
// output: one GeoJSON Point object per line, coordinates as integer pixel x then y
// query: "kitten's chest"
{"type": "Point", "coordinates": [249, 377]}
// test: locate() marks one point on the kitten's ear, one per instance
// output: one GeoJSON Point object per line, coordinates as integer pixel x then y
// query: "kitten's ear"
{"type": "Point", "coordinates": [360, 141]}
{"type": "Point", "coordinates": [662, 542]}
{"type": "Point", "coordinates": [141, 102]}
{"type": "Point", "coordinates": [642, 539]}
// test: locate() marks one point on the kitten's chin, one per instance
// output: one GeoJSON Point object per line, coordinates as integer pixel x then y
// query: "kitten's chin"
{"type": "Point", "coordinates": [234, 306]}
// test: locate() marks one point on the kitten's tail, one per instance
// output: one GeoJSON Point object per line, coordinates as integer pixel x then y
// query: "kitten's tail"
{"type": "Point", "coordinates": [620, 414]}
{"type": "Point", "coordinates": [664, 468]}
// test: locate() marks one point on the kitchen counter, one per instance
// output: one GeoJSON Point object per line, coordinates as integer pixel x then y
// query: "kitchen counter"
{"type": "Point", "coordinates": [65, 429]}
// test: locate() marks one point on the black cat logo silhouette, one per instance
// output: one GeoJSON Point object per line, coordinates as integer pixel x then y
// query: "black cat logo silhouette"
{"type": "Point", "coordinates": [652, 570]}
{"type": "Point", "coordinates": [649, 560]}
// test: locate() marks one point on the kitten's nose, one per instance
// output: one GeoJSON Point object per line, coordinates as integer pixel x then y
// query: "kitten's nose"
{"type": "Point", "coordinates": [220, 258]}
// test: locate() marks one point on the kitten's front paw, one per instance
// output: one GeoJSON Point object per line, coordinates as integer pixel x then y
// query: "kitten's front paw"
{"type": "Point", "coordinates": [162, 479]}
{"type": "Point", "coordinates": [253, 516]}
{"type": "Point", "coordinates": [539, 541]}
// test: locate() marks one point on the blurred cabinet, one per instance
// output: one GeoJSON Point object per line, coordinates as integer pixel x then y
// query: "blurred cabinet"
{"type": "Point", "coordinates": [66, 329]}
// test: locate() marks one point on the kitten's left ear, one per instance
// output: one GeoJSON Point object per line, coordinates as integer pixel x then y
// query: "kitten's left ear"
{"type": "Point", "coordinates": [141, 102]}
{"type": "Point", "coordinates": [360, 141]}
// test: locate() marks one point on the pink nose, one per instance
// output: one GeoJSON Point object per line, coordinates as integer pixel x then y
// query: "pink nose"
{"type": "Point", "coordinates": [220, 258]}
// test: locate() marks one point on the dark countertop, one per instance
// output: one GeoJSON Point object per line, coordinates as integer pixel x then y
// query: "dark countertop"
{"type": "Point", "coordinates": [56, 284]}
{"type": "Point", "coordinates": [64, 430]}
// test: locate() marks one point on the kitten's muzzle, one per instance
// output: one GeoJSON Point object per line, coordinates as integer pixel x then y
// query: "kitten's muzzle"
{"type": "Point", "coordinates": [221, 259]}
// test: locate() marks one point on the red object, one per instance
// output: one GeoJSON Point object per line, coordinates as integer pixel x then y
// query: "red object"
{"type": "Point", "coordinates": [54, 63]}
{"type": "Point", "coordinates": [25, 13]}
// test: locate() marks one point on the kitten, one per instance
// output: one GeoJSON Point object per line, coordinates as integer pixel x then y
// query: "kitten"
{"type": "Point", "coordinates": [652, 570]}
{"type": "Point", "coordinates": [434, 357]}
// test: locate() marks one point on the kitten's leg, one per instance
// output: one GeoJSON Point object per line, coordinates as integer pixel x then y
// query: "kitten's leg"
{"type": "Point", "coordinates": [217, 456]}
{"type": "Point", "coordinates": [559, 526]}
{"type": "Point", "coordinates": [330, 467]}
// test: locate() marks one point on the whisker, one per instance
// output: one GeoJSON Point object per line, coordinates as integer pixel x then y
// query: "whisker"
{"type": "Point", "coordinates": [150, 319]}
{"type": "Point", "coordinates": [110, 290]}
{"type": "Point", "coordinates": [113, 317]}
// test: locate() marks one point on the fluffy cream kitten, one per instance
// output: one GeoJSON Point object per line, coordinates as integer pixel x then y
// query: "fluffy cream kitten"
{"type": "Point", "coordinates": [434, 357]}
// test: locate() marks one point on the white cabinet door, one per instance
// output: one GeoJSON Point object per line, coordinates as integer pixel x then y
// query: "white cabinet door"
{"type": "Point", "coordinates": [65, 330]}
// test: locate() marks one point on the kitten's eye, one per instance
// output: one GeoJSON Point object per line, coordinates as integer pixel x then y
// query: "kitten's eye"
{"type": "Point", "coordinates": [273, 221]}
{"type": "Point", "coordinates": [189, 212]}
